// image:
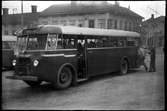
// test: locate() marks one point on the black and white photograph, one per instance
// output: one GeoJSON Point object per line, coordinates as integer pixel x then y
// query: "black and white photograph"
{"type": "Point", "coordinates": [83, 55]}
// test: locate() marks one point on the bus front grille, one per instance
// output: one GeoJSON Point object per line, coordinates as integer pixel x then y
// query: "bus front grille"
{"type": "Point", "coordinates": [23, 61]}
{"type": "Point", "coordinates": [22, 70]}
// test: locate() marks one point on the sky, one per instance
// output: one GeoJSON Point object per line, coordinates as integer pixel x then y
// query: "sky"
{"type": "Point", "coordinates": [143, 8]}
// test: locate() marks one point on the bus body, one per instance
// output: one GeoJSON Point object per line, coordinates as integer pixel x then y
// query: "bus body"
{"type": "Point", "coordinates": [65, 55]}
{"type": "Point", "coordinates": [8, 45]}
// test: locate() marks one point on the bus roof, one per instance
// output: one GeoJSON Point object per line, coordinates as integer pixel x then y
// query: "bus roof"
{"type": "Point", "coordinates": [73, 30]}
{"type": "Point", "coordinates": [9, 38]}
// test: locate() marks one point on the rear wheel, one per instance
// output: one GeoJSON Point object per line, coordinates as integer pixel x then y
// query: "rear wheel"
{"type": "Point", "coordinates": [124, 67]}
{"type": "Point", "coordinates": [64, 78]}
{"type": "Point", "coordinates": [33, 83]}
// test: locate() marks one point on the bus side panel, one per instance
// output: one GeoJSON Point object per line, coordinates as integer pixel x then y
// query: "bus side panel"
{"type": "Point", "coordinates": [128, 52]}
{"type": "Point", "coordinates": [107, 60]}
{"type": "Point", "coordinates": [7, 57]}
{"type": "Point", "coordinates": [132, 56]}
{"type": "Point", "coordinates": [102, 61]}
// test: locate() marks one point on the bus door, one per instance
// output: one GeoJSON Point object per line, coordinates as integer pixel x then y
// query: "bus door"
{"type": "Point", "coordinates": [82, 59]}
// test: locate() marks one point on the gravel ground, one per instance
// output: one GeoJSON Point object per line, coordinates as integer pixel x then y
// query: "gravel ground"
{"type": "Point", "coordinates": [136, 90]}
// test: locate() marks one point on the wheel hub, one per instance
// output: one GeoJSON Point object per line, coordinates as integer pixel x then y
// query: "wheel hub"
{"type": "Point", "coordinates": [64, 77]}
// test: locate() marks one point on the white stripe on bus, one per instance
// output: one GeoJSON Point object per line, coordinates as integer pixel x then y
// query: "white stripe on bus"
{"type": "Point", "coordinates": [52, 55]}
{"type": "Point", "coordinates": [55, 55]}
{"type": "Point", "coordinates": [69, 55]}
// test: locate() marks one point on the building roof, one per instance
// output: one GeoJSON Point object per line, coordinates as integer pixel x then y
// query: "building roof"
{"type": "Point", "coordinates": [79, 9]}
{"type": "Point", "coordinates": [160, 19]}
{"type": "Point", "coordinates": [15, 19]}
{"type": "Point", "coordinates": [73, 30]}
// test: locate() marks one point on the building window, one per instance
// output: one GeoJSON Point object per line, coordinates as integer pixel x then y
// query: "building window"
{"type": "Point", "coordinates": [63, 22]}
{"type": "Point", "coordinates": [125, 25]}
{"type": "Point", "coordinates": [109, 24]}
{"type": "Point", "coordinates": [91, 23]}
{"type": "Point", "coordinates": [72, 22]}
{"type": "Point", "coordinates": [120, 24]}
{"type": "Point", "coordinates": [130, 26]}
{"type": "Point", "coordinates": [115, 24]}
{"type": "Point", "coordinates": [134, 26]}
{"type": "Point", "coordinates": [45, 22]}
{"type": "Point", "coordinates": [6, 32]}
{"type": "Point", "coordinates": [81, 23]}
{"type": "Point", "coordinates": [101, 23]}
{"type": "Point", "coordinates": [55, 22]}
{"type": "Point", "coordinates": [13, 31]}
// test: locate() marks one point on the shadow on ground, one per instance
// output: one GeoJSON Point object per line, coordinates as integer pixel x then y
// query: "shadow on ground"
{"type": "Point", "coordinates": [47, 87]}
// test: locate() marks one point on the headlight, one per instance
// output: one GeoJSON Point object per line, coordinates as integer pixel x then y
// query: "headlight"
{"type": "Point", "coordinates": [36, 62]}
{"type": "Point", "coordinates": [14, 62]}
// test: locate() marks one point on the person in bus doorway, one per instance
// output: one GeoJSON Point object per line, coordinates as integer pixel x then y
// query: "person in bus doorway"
{"type": "Point", "coordinates": [142, 56]}
{"type": "Point", "coordinates": [79, 48]}
{"type": "Point", "coordinates": [152, 63]}
{"type": "Point", "coordinates": [80, 58]}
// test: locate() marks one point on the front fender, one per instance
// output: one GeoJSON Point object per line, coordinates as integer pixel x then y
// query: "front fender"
{"type": "Point", "coordinates": [73, 70]}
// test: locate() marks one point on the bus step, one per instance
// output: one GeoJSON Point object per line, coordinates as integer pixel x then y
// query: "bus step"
{"type": "Point", "coordinates": [83, 79]}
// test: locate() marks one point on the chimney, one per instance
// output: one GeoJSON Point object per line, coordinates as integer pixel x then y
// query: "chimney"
{"type": "Point", "coordinates": [5, 11]}
{"type": "Point", "coordinates": [73, 3]}
{"type": "Point", "coordinates": [104, 2]}
{"type": "Point", "coordinates": [152, 16]}
{"type": "Point", "coordinates": [33, 8]}
{"type": "Point", "coordinates": [116, 3]}
{"type": "Point", "coordinates": [129, 7]}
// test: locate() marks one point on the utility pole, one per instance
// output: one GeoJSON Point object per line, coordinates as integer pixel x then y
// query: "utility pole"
{"type": "Point", "coordinates": [154, 41]}
{"type": "Point", "coordinates": [22, 20]}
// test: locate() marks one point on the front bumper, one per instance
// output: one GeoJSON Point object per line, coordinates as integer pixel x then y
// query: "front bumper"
{"type": "Point", "coordinates": [28, 78]}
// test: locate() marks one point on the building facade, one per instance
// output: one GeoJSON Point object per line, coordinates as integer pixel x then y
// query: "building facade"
{"type": "Point", "coordinates": [153, 31]}
{"type": "Point", "coordinates": [14, 22]}
{"type": "Point", "coordinates": [82, 14]}
{"type": "Point", "coordinates": [99, 15]}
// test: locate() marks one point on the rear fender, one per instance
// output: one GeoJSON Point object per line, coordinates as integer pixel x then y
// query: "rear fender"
{"type": "Point", "coordinates": [125, 58]}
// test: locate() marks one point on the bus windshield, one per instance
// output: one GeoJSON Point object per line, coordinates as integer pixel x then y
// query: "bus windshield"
{"type": "Point", "coordinates": [36, 42]}
{"type": "Point", "coordinates": [21, 44]}
{"type": "Point", "coordinates": [31, 42]}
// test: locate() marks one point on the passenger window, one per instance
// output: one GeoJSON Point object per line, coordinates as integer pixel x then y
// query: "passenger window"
{"type": "Point", "coordinates": [99, 43]}
{"type": "Point", "coordinates": [59, 45]}
{"type": "Point", "coordinates": [51, 43]}
{"type": "Point", "coordinates": [70, 44]}
{"type": "Point", "coordinates": [66, 43]}
{"type": "Point", "coordinates": [131, 43]}
{"type": "Point", "coordinates": [121, 43]}
{"type": "Point", "coordinates": [114, 43]}
{"type": "Point", "coordinates": [106, 42]}
{"type": "Point", "coordinates": [32, 44]}
{"type": "Point", "coordinates": [91, 43]}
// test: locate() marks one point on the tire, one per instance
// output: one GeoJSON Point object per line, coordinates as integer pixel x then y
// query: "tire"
{"type": "Point", "coordinates": [124, 67]}
{"type": "Point", "coordinates": [33, 83]}
{"type": "Point", "coordinates": [64, 78]}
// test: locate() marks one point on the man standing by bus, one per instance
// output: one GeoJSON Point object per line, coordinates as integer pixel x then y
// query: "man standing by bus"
{"type": "Point", "coordinates": [142, 55]}
{"type": "Point", "coordinates": [152, 63]}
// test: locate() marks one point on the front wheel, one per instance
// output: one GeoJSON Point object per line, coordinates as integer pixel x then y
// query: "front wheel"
{"type": "Point", "coordinates": [64, 78]}
{"type": "Point", "coordinates": [124, 67]}
{"type": "Point", "coordinates": [33, 83]}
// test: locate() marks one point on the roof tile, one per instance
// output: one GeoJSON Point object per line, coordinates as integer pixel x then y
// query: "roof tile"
{"type": "Point", "coordinates": [66, 9]}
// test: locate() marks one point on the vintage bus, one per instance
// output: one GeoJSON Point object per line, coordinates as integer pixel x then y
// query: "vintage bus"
{"type": "Point", "coordinates": [8, 45]}
{"type": "Point", "coordinates": [65, 55]}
